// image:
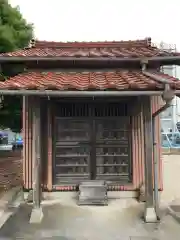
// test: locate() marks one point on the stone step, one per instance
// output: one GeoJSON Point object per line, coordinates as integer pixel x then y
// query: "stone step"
{"type": "Point", "coordinates": [93, 193]}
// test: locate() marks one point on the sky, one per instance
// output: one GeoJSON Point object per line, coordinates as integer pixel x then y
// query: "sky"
{"type": "Point", "coordinates": [100, 20]}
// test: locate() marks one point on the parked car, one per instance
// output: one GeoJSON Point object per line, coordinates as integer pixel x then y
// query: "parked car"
{"type": "Point", "coordinates": [18, 143]}
{"type": "Point", "coordinates": [4, 146]}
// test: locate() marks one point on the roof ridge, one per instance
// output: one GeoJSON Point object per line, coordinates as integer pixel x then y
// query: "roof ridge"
{"type": "Point", "coordinates": [85, 44]}
{"type": "Point", "coordinates": [90, 50]}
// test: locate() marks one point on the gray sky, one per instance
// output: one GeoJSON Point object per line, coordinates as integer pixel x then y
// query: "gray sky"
{"type": "Point", "coordinates": [83, 20]}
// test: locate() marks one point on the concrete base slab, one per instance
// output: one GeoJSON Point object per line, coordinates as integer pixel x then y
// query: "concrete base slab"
{"type": "Point", "coordinates": [29, 198]}
{"type": "Point", "coordinates": [142, 238]}
{"type": "Point", "coordinates": [174, 209]}
{"type": "Point", "coordinates": [8, 198]}
{"type": "Point", "coordinates": [21, 195]}
{"type": "Point", "coordinates": [36, 215]}
{"type": "Point", "coordinates": [74, 195]}
{"type": "Point", "coordinates": [176, 202]}
{"type": "Point", "coordinates": [150, 215]}
{"type": "Point", "coordinates": [4, 217]}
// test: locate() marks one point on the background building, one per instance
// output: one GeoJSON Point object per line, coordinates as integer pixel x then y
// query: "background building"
{"type": "Point", "coordinates": [171, 116]}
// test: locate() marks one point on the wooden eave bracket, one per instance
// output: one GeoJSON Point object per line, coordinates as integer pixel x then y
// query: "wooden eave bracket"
{"type": "Point", "coordinates": [168, 93]}
{"type": "Point", "coordinates": [144, 63]}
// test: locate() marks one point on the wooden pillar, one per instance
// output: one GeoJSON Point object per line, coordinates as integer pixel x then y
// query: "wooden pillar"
{"type": "Point", "coordinates": [36, 215]}
{"type": "Point", "coordinates": [44, 143]}
{"type": "Point", "coordinates": [150, 214]}
{"type": "Point", "coordinates": [49, 138]}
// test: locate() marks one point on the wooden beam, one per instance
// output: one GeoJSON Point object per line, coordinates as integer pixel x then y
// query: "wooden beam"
{"type": "Point", "coordinates": [150, 215]}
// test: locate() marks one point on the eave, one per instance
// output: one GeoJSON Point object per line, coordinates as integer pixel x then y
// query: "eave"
{"type": "Point", "coordinates": [159, 60]}
{"type": "Point", "coordinates": [56, 93]}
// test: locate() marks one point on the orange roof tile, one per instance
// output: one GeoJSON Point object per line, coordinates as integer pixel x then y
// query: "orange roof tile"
{"type": "Point", "coordinates": [117, 80]}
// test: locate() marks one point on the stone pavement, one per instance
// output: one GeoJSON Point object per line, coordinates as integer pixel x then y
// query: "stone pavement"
{"type": "Point", "coordinates": [66, 221]}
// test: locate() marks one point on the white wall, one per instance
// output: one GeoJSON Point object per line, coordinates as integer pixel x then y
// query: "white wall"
{"type": "Point", "coordinates": [172, 115]}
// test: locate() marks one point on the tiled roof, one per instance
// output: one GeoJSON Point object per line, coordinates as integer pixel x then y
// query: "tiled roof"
{"type": "Point", "coordinates": [123, 49]}
{"type": "Point", "coordinates": [117, 80]}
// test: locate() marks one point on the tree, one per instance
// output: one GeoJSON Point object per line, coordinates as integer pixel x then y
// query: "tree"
{"type": "Point", "coordinates": [15, 33]}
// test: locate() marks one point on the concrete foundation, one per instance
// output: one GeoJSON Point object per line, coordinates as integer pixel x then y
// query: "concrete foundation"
{"type": "Point", "coordinates": [150, 215]}
{"type": "Point", "coordinates": [73, 195]}
{"type": "Point", "coordinates": [36, 215]}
